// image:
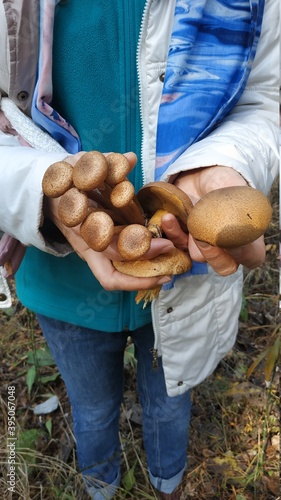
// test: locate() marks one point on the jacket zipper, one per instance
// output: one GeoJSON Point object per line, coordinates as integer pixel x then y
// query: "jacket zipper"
{"type": "Point", "coordinates": [144, 16]}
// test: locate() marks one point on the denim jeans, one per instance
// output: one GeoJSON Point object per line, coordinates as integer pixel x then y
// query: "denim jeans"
{"type": "Point", "coordinates": [91, 365]}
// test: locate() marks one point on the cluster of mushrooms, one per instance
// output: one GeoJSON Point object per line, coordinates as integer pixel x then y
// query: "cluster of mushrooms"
{"type": "Point", "coordinates": [97, 195]}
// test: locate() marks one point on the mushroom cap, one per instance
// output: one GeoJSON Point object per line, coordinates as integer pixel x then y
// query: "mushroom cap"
{"type": "Point", "coordinates": [73, 207]}
{"type": "Point", "coordinates": [122, 194]}
{"type": "Point", "coordinates": [97, 230]}
{"type": "Point", "coordinates": [162, 195]}
{"type": "Point", "coordinates": [173, 262]}
{"type": "Point", "coordinates": [57, 179]}
{"type": "Point", "coordinates": [134, 241]}
{"type": "Point", "coordinates": [118, 168]}
{"type": "Point", "coordinates": [90, 171]}
{"type": "Point", "coordinates": [230, 217]}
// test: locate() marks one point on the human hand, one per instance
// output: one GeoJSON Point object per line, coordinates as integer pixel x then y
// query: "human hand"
{"type": "Point", "coordinates": [100, 263]}
{"type": "Point", "coordinates": [196, 184]}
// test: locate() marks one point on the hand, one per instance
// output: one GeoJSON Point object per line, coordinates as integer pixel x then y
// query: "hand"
{"type": "Point", "coordinates": [197, 183]}
{"type": "Point", "coordinates": [100, 263]}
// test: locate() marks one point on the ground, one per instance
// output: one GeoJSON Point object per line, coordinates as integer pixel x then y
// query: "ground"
{"type": "Point", "coordinates": [234, 436]}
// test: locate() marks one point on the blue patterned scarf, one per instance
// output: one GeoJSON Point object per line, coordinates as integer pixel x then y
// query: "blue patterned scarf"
{"type": "Point", "coordinates": [211, 52]}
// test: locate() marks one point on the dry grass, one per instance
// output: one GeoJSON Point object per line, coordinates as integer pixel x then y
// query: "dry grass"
{"type": "Point", "coordinates": [234, 437]}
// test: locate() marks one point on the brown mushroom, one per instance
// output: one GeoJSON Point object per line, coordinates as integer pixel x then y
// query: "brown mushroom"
{"type": "Point", "coordinates": [157, 198]}
{"type": "Point", "coordinates": [118, 168]}
{"type": "Point", "coordinates": [173, 262]}
{"type": "Point", "coordinates": [57, 179]}
{"type": "Point", "coordinates": [90, 171]}
{"type": "Point", "coordinates": [123, 197]}
{"type": "Point", "coordinates": [230, 217]}
{"type": "Point", "coordinates": [97, 230]}
{"type": "Point", "coordinates": [134, 241]}
{"type": "Point", "coordinates": [73, 207]}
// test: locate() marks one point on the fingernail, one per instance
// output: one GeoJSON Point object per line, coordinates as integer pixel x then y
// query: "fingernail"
{"type": "Point", "coordinates": [202, 244]}
{"type": "Point", "coordinates": [168, 223]}
{"type": "Point", "coordinates": [165, 279]}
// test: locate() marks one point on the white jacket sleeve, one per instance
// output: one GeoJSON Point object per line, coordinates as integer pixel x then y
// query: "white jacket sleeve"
{"type": "Point", "coordinates": [21, 197]}
{"type": "Point", "coordinates": [247, 139]}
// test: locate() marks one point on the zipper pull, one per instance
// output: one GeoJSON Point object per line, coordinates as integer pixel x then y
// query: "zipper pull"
{"type": "Point", "coordinates": [154, 353]}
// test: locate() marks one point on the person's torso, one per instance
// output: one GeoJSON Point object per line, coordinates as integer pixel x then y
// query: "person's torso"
{"type": "Point", "coordinates": [95, 88]}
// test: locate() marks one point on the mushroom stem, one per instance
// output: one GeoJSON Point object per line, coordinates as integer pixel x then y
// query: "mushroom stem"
{"type": "Point", "coordinates": [106, 204]}
{"type": "Point", "coordinates": [155, 223]}
{"type": "Point", "coordinates": [123, 197]}
{"type": "Point", "coordinates": [147, 295]}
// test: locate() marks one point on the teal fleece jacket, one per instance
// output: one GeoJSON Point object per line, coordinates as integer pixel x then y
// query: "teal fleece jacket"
{"type": "Point", "coordinates": [96, 90]}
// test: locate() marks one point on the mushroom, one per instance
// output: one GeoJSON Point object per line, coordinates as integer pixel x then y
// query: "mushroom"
{"type": "Point", "coordinates": [123, 197]}
{"type": "Point", "coordinates": [90, 171]}
{"type": "Point", "coordinates": [118, 168]}
{"type": "Point", "coordinates": [134, 241]}
{"type": "Point", "coordinates": [57, 179]}
{"type": "Point", "coordinates": [158, 198]}
{"type": "Point", "coordinates": [230, 217]}
{"type": "Point", "coordinates": [73, 207]}
{"type": "Point", "coordinates": [97, 230]}
{"type": "Point", "coordinates": [175, 261]}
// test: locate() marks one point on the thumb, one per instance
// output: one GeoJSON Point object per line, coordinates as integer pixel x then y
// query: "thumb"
{"type": "Point", "coordinates": [217, 258]}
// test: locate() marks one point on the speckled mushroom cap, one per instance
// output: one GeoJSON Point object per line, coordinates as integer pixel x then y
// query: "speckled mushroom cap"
{"type": "Point", "coordinates": [73, 207]}
{"type": "Point", "coordinates": [162, 195]}
{"type": "Point", "coordinates": [90, 171]}
{"type": "Point", "coordinates": [134, 241]}
{"type": "Point", "coordinates": [118, 168]}
{"type": "Point", "coordinates": [57, 179]}
{"type": "Point", "coordinates": [97, 230]}
{"type": "Point", "coordinates": [230, 217]}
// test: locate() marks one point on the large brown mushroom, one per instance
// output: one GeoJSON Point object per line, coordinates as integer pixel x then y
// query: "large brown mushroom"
{"type": "Point", "coordinates": [173, 262]}
{"type": "Point", "coordinates": [230, 217]}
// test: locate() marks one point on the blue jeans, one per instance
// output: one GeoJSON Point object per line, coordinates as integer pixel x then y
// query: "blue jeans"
{"type": "Point", "coordinates": [91, 365]}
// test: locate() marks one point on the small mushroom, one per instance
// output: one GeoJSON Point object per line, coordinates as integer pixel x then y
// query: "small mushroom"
{"type": "Point", "coordinates": [134, 241]}
{"type": "Point", "coordinates": [118, 168]}
{"type": "Point", "coordinates": [123, 197]}
{"type": "Point", "coordinates": [230, 217]}
{"type": "Point", "coordinates": [73, 207]}
{"type": "Point", "coordinates": [90, 171]}
{"type": "Point", "coordinates": [97, 230]}
{"type": "Point", "coordinates": [57, 179]}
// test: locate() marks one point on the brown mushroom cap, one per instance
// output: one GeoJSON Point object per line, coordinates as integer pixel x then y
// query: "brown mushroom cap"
{"type": "Point", "coordinates": [164, 196]}
{"type": "Point", "coordinates": [90, 171]}
{"type": "Point", "coordinates": [73, 207]}
{"type": "Point", "coordinates": [57, 179]}
{"type": "Point", "coordinates": [122, 194]}
{"type": "Point", "coordinates": [97, 230]}
{"type": "Point", "coordinates": [230, 217]}
{"type": "Point", "coordinates": [173, 262]}
{"type": "Point", "coordinates": [134, 241]}
{"type": "Point", "coordinates": [118, 168]}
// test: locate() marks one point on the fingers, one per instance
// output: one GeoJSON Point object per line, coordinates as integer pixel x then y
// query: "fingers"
{"type": "Point", "coordinates": [226, 262]}
{"type": "Point", "coordinates": [173, 231]}
{"type": "Point", "coordinates": [111, 279]}
{"type": "Point", "coordinates": [252, 255]}
{"type": "Point", "coordinates": [219, 259]}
